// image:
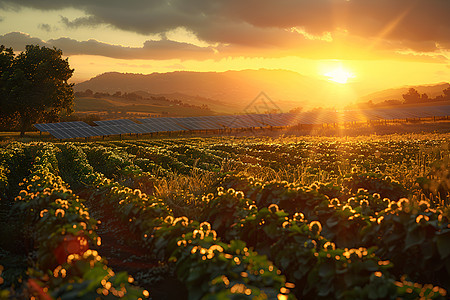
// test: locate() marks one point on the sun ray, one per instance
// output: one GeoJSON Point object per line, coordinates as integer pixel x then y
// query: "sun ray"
{"type": "Point", "coordinates": [391, 26]}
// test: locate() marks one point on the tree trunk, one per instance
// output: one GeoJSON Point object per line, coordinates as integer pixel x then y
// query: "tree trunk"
{"type": "Point", "coordinates": [24, 125]}
{"type": "Point", "coordinates": [22, 131]}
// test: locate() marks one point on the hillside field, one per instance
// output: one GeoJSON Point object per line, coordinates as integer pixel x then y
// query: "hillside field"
{"type": "Point", "coordinates": [287, 217]}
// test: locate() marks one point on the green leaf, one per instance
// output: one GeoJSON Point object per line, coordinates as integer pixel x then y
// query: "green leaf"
{"type": "Point", "coordinates": [333, 221]}
{"type": "Point", "coordinates": [382, 291]}
{"type": "Point", "coordinates": [373, 292]}
{"type": "Point", "coordinates": [326, 269]}
{"type": "Point", "coordinates": [415, 236]}
{"type": "Point", "coordinates": [325, 289]}
{"type": "Point", "coordinates": [443, 244]}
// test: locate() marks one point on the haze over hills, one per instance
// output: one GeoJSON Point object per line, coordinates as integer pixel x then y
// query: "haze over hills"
{"type": "Point", "coordinates": [432, 90]}
{"type": "Point", "coordinates": [234, 90]}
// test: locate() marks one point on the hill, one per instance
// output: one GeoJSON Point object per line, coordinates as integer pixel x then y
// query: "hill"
{"type": "Point", "coordinates": [431, 90]}
{"type": "Point", "coordinates": [139, 104]}
{"type": "Point", "coordinates": [230, 91]}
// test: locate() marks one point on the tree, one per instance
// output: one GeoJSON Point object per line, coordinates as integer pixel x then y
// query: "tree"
{"type": "Point", "coordinates": [445, 96]}
{"type": "Point", "coordinates": [88, 93]}
{"type": "Point", "coordinates": [446, 93]}
{"type": "Point", "coordinates": [424, 97]}
{"type": "Point", "coordinates": [6, 61]}
{"type": "Point", "coordinates": [35, 86]}
{"type": "Point", "coordinates": [412, 96]}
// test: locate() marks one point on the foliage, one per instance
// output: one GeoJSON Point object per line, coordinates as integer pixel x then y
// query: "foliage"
{"type": "Point", "coordinates": [63, 233]}
{"type": "Point", "coordinates": [310, 219]}
{"type": "Point", "coordinates": [34, 85]}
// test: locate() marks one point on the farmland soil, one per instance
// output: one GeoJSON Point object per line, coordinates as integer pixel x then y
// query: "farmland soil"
{"type": "Point", "coordinates": [121, 248]}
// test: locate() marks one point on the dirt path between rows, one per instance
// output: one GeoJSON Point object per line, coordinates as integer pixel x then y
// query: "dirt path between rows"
{"type": "Point", "coordinates": [123, 251]}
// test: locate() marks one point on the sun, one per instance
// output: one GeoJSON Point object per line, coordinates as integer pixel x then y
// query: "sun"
{"type": "Point", "coordinates": [339, 75]}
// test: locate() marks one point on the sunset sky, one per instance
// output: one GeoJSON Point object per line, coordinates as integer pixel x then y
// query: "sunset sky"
{"type": "Point", "coordinates": [376, 44]}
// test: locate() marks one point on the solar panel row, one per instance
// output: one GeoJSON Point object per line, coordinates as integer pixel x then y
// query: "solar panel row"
{"type": "Point", "coordinates": [66, 130]}
{"type": "Point", "coordinates": [84, 132]}
{"type": "Point", "coordinates": [49, 126]}
{"type": "Point", "coordinates": [115, 122]}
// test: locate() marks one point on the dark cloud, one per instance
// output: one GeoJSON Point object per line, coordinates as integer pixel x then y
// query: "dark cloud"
{"type": "Point", "coordinates": [80, 22]}
{"type": "Point", "coordinates": [18, 40]}
{"type": "Point", "coordinates": [167, 49]}
{"type": "Point", "coordinates": [45, 27]}
{"type": "Point", "coordinates": [413, 22]}
{"type": "Point", "coordinates": [164, 49]}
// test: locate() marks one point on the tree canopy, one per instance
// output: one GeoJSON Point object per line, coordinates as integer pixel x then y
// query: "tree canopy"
{"type": "Point", "coordinates": [412, 96]}
{"type": "Point", "coordinates": [34, 86]}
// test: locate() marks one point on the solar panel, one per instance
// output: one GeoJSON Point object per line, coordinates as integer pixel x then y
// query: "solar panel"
{"type": "Point", "coordinates": [139, 128]}
{"type": "Point", "coordinates": [123, 129]}
{"type": "Point", "coordinates": [154, 120]}
{"type": "Point", "coordinates": [198, 124]}
{"type": "Point", "coordinates": [165, 124]}
{"type": "Point", "coordinates": [101, 130]}
{"type": "Point", "coordinates": [405, 112]}
{"type": "Point", "coordinates": [93, 131]}
{"type": "Point", "coordinates": [58, 134]}
{"type": "Point", "coordinates": [327, 117]}
{"type": "Point", "coordinates": [79, 132]}
{"type": "Point", "coordinates": [75, 132]}
{"type": "Point", "coordinates": [44, 127]}
{"type": "Point", "coordinates": [115, 122]}
{"type": "Point", "coordinates": [441, 110]}
{"type": "Point", "coordinates": [41, 127]}
{"type": "Point", "coordinates": [230, 122]}
{"type": "Point", "coordinates": [78, 129]}
{"type": "Point", "coordinates": [149, 128]}
{"type": "Point", "coordinates": [111, 129]}
{"type": "Point", "coordinates": [253, 120]}
{"type": "Point", "coordinates": [279, 120]}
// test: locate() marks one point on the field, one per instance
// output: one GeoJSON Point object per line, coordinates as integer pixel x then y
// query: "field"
{"type": "Point", "coordinates": [227, 218]}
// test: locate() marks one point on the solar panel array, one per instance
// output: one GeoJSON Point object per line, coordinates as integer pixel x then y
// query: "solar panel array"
{"type": "Point", "coordinates": [68, 130]}
{"type": "Point", "coordinates": [198, 124]}
{"type": "Point", "coordinates": [115, 122]}
{"type": "Point", "coordinates": [163, 124]}
{"type": "Point", "coordinates": [44, 127]}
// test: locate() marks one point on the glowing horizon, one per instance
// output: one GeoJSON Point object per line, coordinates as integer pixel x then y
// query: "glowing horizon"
{"type": "Point", "coordinates": [339, 75]}
{"type": "Point", "coordinates": [365, 48]}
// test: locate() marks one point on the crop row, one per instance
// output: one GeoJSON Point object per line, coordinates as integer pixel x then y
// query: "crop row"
{"type": "Point", "coordinates": [412, 162]}
{"type": "Point", "coordinates": [205, 264]}
{"type": "Point", "coordinates": [311, 201]}
{"type": "Point", "coordinates": [57, 224]}
{"type": "Point", "coordinates": [363, 235]}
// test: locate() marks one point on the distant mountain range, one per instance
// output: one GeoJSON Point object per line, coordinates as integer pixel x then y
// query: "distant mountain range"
{"type": "Point", "coordinates": [236, 91]}
{"type": "Point", "coordinates": [230, 91]}
{"type": "Point", "coordinates": [432, 90]}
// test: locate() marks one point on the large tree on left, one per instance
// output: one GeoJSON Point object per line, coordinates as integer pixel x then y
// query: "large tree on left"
{"type": "Point", "coordinates": [34, 86]}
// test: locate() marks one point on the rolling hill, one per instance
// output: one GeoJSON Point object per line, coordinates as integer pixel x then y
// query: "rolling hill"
{"type": "Point", "coordinates": [432, 90]}
{"type": "Point", "coordinates": [230, 91]}
{"type": "Point", "coordinates": [236, 91]}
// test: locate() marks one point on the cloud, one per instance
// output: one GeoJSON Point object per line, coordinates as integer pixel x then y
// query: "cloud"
{"type": "Point", "coordinates": [18, 40]}
{"type": "Point", "coordinates": [80, 22]}
{"type": "Point", "coordinates": [45, 27]}
{"type": "Point", "coordinates": [158, 50]}
{"type": "Point", "coordinates": [410, 23]}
